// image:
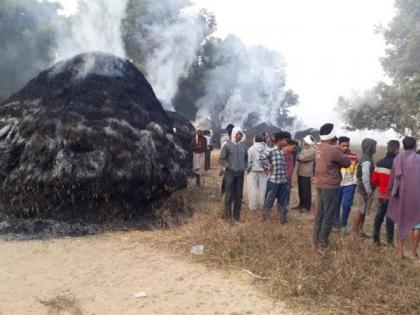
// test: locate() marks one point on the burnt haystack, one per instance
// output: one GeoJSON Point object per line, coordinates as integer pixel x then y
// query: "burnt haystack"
{"type": "Point", "coordinates": [87, 140]}
{"type": "Point", "coordinates": [184, 132]}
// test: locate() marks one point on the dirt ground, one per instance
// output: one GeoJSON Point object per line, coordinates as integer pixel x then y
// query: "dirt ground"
{"type": "Point", "coordinates": [103, 273]}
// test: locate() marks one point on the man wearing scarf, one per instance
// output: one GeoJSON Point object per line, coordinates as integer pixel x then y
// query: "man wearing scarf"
{"type": "Point", "coordinates": [233, 158]}
{"type": "Point", "coordinates": [328, 161]}
{"type": "Point", "coordinates": [404, 203]}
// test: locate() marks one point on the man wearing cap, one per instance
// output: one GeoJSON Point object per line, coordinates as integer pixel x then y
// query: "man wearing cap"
{"type": "Point", "coordinates": [305, 172]}
{"type": "Point", "coordinates": [328, 161]}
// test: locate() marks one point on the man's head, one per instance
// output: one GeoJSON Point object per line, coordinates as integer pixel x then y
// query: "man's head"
{"type": "Point", "coordinates": [290, 146]}
{"type": "Point", "coordinates": [393, 147]}
{"type": "Point", "coordinates": [266, 136]}
{"type": "Point", "coordinates": [327, 133]}
{"type": "Point", "coordinates": [237, 134]}
{"type": "Point", "coordinates": [229, 129]}
{"type": "Point", "coordinates": [344, 144]}
{"type": "Point", "coordinates": [258, 139]}
{"type": "Point", "coordinates": [309, 141]}
{"type": "Point", "coordinates": [199, 132]}
{"type": "Point", "coordinates": [280, 139]}
{"type": "Point", "coordinates": [409, 143]}
{"type": "Point", "coordinates": [368, 146]}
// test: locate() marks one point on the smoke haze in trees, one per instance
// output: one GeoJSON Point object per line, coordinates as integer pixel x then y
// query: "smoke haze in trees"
{"type": "Point", "coordinates": [246, 87]}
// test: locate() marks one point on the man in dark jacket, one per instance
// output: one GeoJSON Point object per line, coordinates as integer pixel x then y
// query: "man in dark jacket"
{"type": "Point", "coordinates": [380, 180]}
{"type": "Point", "coordinates": [199, 145]}
{"type": "Point", "coordinates": [328, 161]}
{"type": "Point", "coordinates": [233, 158]}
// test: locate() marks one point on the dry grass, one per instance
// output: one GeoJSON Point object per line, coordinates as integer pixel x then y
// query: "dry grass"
{"type": "Point", "coordinates": [354, 278]}
{"type": "Point", "coordinates": [62, 303]}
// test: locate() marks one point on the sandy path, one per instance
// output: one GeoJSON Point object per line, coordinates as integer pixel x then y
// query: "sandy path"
{"type": "Point", "coordinates": [104, 272]}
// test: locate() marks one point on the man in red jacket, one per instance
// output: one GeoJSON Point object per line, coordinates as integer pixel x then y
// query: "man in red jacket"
{"type": "Point", "coordinates": [380, 180]}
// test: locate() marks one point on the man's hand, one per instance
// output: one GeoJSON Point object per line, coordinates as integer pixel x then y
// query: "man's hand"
{"type": "Point", "coordinates": [268, 172]}
{"type": "Point", "coordinates": [221, 171]}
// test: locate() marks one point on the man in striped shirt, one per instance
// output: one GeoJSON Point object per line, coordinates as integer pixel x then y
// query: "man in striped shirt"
{"type": "Point", "coordinates": [380, 180]}
{"type": "Point", "coordinates": [347, 186]}
{"type": "Point", "coordinates": [274, 165]}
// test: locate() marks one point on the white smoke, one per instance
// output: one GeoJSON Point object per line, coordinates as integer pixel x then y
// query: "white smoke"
{"type": "Point", "coordinates": [247, 86]}
{"type": "Point", "coordinates": [95, 26]}
{"type": "Point", "coordinates": [177, 33]}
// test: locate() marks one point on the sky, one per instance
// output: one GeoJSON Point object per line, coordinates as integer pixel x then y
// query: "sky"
{"type": "Point", "coordinates": [330, 47]}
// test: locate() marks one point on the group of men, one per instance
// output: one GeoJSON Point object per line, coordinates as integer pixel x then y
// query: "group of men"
{"type": "Point", "coordinates": [269, 172]}
{"type": "Point", "coordinates": [337, 173]}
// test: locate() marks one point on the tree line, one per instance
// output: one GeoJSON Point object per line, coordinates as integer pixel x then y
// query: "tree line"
{"type": "Point", "coordinates": [394, 105]}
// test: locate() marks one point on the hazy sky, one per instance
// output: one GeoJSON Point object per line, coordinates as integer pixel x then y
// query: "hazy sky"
{"type": "Point", "coordinates": [330, 46]}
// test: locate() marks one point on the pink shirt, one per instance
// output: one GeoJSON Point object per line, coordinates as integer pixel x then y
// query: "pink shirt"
{"type": "Point", "coordinates": [289, 166]}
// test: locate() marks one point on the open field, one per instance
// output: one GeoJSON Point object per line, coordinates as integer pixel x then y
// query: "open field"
{"type": "Point", "coordinates": [247, 268]}
{"type": "Point", "coordinates": [356, 278]}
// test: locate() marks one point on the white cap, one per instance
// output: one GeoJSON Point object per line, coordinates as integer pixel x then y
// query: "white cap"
{"type": "Point", "coordinates": [329, 136]}
{"type": "Point", "coordinates": [309, 140]}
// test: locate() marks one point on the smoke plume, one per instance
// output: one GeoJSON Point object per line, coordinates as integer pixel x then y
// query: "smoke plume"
{"type": "Point", "coordinates": [246, 87]}
{"type": "Point", "coordinates": [96, 26]}
{"type": "Point", "coordinates": [176, 33]}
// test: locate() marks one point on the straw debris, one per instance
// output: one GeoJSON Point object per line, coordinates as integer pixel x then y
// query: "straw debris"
{"type": "Point", "coordinates": [62, 303]}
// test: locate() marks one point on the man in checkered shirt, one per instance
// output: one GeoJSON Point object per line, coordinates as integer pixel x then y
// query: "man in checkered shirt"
{"type": "Point", "coordinates": [274, 166]}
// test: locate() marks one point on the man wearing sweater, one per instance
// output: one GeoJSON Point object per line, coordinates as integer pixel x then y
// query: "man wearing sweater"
{"type": "Point", "coordinates": [347, 186]}
{"type": "Point", "coordinates": [328, 161]}
{"type": "Point", "coordinates": [233, 158]}
{"type": "Point", "coordinates": [380, 180]}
